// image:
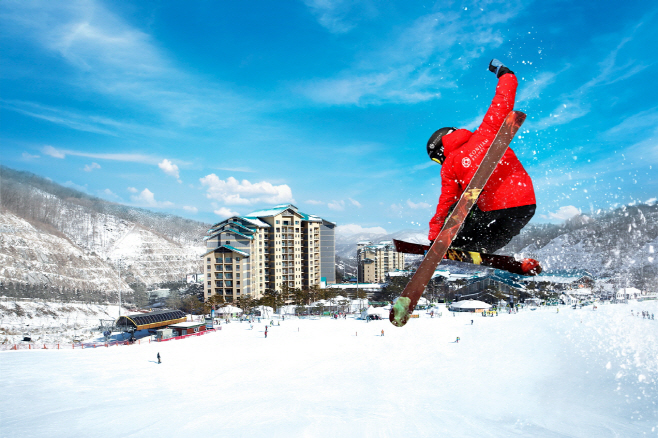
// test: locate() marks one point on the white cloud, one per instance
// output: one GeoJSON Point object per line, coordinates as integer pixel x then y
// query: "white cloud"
{"type": "Point", "coordinates": [146, 198]}
{"type": "Point", "coordinates": [564, 213]}
{"type": "Point", "coordinates": [72, 185]}
{"type": "Point", "coordinates": [417, 61]}
{"type": "Point", "coordinates": [27, 156]}
{"type": "Point", "coordinates": [80, 122]}
{"type": "Point", "coordinates": [109, 193]}
{"type": "Point", "coordinates": [350, 229]}
{"type": "Point", "coordinates": [418, 206]}
{"type": "Point", "coordinates": [132, 190]}
{"type": "Point", "coordinates": [339, 16]}
{"type": "Point", "coordinates": [644, 121]}
{"type": "Point", "coordinates": [92, 166]}
{"type": "Point", "coordinates": [564, 113]}
{"type": "Point", "coordinates": [120, 61]}
{"type": "Point", "coordinates": [51, 151]}
{"type": "Point", "coordinates": [573, 106]}
{"type": "Point", "coordinates": [225, 212]}
{"type": "Point", "coordinates": [190, 209]}
{"type": "Point", "coordinates": [314, 202]}
{"type": "Point", "coordinates": [423, 166]}
{"type": "Point", "coordinates": [234, 192]}
{"type": "Point", "coordinates": [533, 89]}
{"type": "Point", "coordinates": [169, 168]}
{"type": "Point", "coordinates": [473, 124]}
{"type": "Point", "coordinates": [355, 202]}
{"type": "Point", "coordinates": [133, 158]}
{"type": "Point", "coordinates": [336, 205]}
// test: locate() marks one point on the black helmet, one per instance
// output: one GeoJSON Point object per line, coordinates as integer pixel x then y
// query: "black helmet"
{"type": "Point", "coordinates": [435, 145]}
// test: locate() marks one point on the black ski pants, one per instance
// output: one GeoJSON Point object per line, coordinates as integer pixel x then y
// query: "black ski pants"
{"type": "Point", "coordinates": [488, 231]}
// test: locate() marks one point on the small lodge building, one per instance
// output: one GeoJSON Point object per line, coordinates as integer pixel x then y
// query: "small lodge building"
{"type": "Point", "coordinates": [187, 328]}
{"type": "Point", "coordinates": [561, 280]}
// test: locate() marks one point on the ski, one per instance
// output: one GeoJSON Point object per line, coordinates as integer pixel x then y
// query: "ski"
{"type": "Point", "coordinates": [406, 303]}
{"type": "Point", "coordinates": [506, 263]}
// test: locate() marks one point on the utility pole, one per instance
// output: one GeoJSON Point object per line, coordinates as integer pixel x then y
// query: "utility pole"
{"type": "Point", "coordinates": [120, 262]}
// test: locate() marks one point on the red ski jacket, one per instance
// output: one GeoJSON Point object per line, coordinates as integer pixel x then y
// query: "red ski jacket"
{"type": "Point", "coordinates": [509, 185]}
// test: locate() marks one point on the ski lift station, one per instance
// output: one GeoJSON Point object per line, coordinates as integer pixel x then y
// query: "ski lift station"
{"type": "Point", "coordinates": [151, 320]}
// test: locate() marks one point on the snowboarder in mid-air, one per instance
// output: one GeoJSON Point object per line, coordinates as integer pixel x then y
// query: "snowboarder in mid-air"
{"type": "Point", "coordinates": [507, 202]}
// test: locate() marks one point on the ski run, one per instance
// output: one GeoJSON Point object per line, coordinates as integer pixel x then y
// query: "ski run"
{"type": "Point", "coordinates": [536, 373]}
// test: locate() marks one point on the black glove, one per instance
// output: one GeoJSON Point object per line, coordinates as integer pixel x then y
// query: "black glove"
{"type": "Point", "coordinates": [497, 67]}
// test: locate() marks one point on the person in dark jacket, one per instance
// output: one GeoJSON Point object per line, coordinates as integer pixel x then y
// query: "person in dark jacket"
{"type": "Point", "coordinates": [507, 202]}
{"type": "Point", "coordinates": [158, 357]}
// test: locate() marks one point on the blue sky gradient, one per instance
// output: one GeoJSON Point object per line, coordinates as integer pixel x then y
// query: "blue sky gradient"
{"type": "Point", "coordinates": [208, 109]}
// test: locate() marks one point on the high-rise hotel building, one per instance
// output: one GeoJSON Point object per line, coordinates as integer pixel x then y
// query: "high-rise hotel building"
{"type": "Point", "coordinates": [376, 260]}
{"type": "Point", "coordinates": [266, 249]}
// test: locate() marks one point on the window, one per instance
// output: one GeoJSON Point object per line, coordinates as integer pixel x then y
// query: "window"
{"type": "Point", "coordinates": [208, 259]}
{"type": "Point", "coordinates": [208, 275]}
{"type": "Point", "coordinates": [209, 283]}
{"type": "Point", "coordinates": [278, 222]}
{"type": "Point", "coordinates": [219, 275]}
{"type": "Point", "coordinates": [217, 260]}
{"type": "Point", "coordinates": [237, 259]}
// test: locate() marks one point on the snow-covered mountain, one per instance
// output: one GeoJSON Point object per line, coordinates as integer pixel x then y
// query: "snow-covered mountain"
{"type": "Point", "coordinates": [53, 238]}
{"type": "Point", "coordinates": [56, 238]}
{"type": "Point", "coordinates": [346, 242]}
{"type": "Point", "coordinates": [616, 243]}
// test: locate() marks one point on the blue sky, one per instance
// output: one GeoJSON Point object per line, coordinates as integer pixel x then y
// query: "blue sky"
{"type": "Point", "coordinates": [208, 109]}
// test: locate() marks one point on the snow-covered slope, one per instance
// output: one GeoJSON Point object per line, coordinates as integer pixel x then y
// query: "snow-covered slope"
{"type": "Point", "coordinates": [32, 256]}
{"type": "Point", "coordinates": [541, 374]}
{"type": "Point", "coordinates": [47, 322]}
{"type": "Point", "coordinates": [152, 258]}
{"type": "Point", "coordinates": [59, 237]}
{"type": "Point", "coordinates": [620, 242]}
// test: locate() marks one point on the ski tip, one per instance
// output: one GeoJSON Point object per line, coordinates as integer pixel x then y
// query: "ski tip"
{"type": "Point", "coordinates": [531, 267]}
{"type": "Point", "coordinates": [399, 314]}
{"type": "Point", "coordinates": [519, 116]}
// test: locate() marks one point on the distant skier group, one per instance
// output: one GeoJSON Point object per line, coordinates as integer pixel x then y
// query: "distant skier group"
{"type": "Point", "coordinates": [645, 314]}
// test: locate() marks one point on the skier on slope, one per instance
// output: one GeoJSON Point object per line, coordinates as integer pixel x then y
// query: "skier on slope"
{"type": "Point", "coordinates": [507, 201]}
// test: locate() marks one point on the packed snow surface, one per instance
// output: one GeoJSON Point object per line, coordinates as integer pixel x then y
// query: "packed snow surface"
{"type": "Point", "coordinates": [543, 373]}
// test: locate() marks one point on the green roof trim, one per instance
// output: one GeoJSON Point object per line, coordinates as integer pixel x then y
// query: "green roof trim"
{"type": "Point", "coordinates": [242, 253]}
{"type": "Point", "coordinates": [229, 247]}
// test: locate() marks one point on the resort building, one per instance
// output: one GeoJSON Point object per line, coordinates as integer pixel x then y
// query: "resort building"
{"type": "Point", "coordinates": [267, 249]}
{"type": "Point", "coordinates": [376, 260]}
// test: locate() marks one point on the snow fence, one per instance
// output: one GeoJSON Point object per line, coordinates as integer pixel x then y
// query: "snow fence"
{"type": "Point", "coordinates": [83, 345]}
